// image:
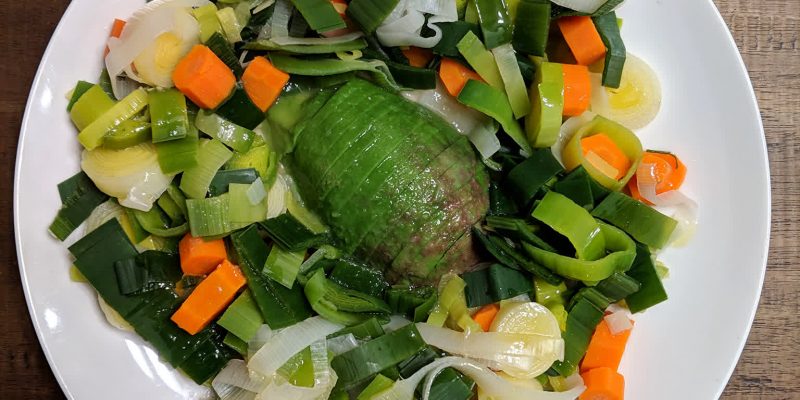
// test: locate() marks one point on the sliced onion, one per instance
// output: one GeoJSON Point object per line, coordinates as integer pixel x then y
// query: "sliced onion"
{"type": "Point", "coordinates": [342, 344]}
{"type": "Point", "coordinates": [288, 342]}
{"type": "Point", "coordinates": [403, 26]}
{"type": "Point", "coordinates": [568, 129]}
{"type": "Point", "coordinates": [102, 214]}
{"type": "Point", "coordinates": [132, 175]}
{"type": "Point", "coordinates": [279, 24]}
{"type": "Point", "coordinates": [324, 380]}
{"type": "Point", "coordinates": [618, 322]}
{"type": "Point", "coordinates": [235, 382]}
{"type": "Point", "coordinates": [276, 197]}
{"type": "Point", "coordinates": [532, 354]}
{"type": "Point", "coordinates": [636, 102]}
{"type": "Point", "coordinates": [489, 382]}
{"type": "Point", "coordinates": [584, 6]}
{"type": "Point", "coordinates": [484, 138]}
{"type": "Point", "coordinates": [256, 192]}
{"type": "Point", "coordinates": [263, 334]}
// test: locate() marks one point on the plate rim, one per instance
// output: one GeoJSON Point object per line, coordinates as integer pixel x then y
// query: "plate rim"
{"type": "Point", "coordinates": [730, 42]}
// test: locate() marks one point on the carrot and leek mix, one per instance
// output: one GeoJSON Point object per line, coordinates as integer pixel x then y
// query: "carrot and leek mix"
{"type": "Point", "coordinates": [332, 199]}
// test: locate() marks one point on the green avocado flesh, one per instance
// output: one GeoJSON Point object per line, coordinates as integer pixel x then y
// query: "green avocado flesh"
{"type": "Point", "coordinates": [397, 185]}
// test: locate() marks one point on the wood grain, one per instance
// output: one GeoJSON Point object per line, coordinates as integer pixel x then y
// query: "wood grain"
{"type": "Point", "coordinates": [766, 32]}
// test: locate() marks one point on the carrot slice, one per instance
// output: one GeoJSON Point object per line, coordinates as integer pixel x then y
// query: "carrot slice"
{"type": "Point", "coordinates": [263, 82]}
{"type": "Point", "coordinates": [485, 316]}
{"type": "Point", "coordinates": [582, 38]}
{"type": "Point", "coordinates": [209, 298]}
{"type": "Point", "coordinates": [603, 147]}
{"type": "Point", "coordinates": [605, 349]}
{"type": "Point", "coordinates": [670, 173]}
{"type": "Point", "coordinates": [455, 75]}
{"type": "Point", "coordinates": [577, 89]}
{"type": "Point", "coordinates": [198, 256]}
{"type": "Point", "coordinates": [603, 384]}
{"type": "Point", "coordinates": [116, 31]}
{"type": "Point", "coordinates": [204, 78]}
{"type": "Point", "coordinates": [418, 57]}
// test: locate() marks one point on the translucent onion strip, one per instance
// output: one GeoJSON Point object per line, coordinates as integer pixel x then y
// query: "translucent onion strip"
{"type": "Point", "coordinates": [235, 382]}
{"type": "Point", "coordinates": [288, 342]}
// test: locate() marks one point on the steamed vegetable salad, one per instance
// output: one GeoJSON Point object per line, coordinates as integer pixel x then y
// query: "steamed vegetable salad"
{"type": "Point", "coordinates": [281, 196]}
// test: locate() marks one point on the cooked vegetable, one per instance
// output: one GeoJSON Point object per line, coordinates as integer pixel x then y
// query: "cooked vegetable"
{"type": "Point", "coordinates": [582, 38]}
{"type": "Point", "coordinates": [480, 59]}
{"type": "Point", "coordinates": [263, 82]}
{"type": "Point", "coordinates": [494, 103]}
{"type": "Point", "coordinates": [604, 155]}
{"type": "Point", "coordinates": [496, 24]}
{"type": "Point", "coordinates": [369, 14]}
{"type": "Point", "coordinates": [242, 318]}
{"type": "Point", "coordinates": [282, 266]}
{"type": "Point", "coordinates": [577, 89]}
{"type": "Point", "coordinates": [167, 115]}
{"type": "Point", "coordinates": [209, 298]}
{"type": "Point", "coordinates": [514, 84]}
{"type": "Point", "coordinates": [418, 57]}
{"type": "Point", "coordinates": [605, 349]}
{"type": "Point", "coordinates": [89, 105]}
{"type": "Point", "coordinates": [200, 256]}
{"type": "Point", "coordinates": [532, 26]}
{"type": "Point", "coordinates": [639, 220]}
{"type": "Point", "coordinates": [603, 383]}
{"type": "Point", "coordinates": [207, 19]}
{"type": "Point", "coordinates": [290, 233]}
{"type": "Point", "coordinates": [116, 31]}
{"type": "Point", "coordinates": [486, 315]}
{"type": "Point", "coordinates": [220, 46]}
{"type": "Point", "coordinates": [527, 178]}
{"type": "Point", "coordinates": [92, 134]}
{"type": "Point", "coordinates": [652, 290]}
{"type": "Point", "coordinates": [667, 170]}
{"type": "Point", "coordinates": [625, 141]}
{"type": "Point", "coordinates": [584, 315]}
{"type": "Point", "coordinates": [204, 78]}
{"type": "Point", "coordinates": [211, 155]}
{"type": "Point", "coordinates": [547, 100]}
{"type": "Point", "coordinates": [79, 197]}
{"type": "Point", "coordinates": [234, 136]}
{"type": "Point", "coordinates": [637, 99]}
{"type": "Point", "coordinates": [608, 28]}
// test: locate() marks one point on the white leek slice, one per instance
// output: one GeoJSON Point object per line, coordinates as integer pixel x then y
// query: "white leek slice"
{"type": "Point", "coordinates": [132, 174]}
{"type": "Point", "coordinates": [637, 100]}
{"type": "Point", "coordinates": [288, 342]}
{"type": "Point", "coordinates": [155, 64]}
{"type": "Point", "coordinates": [568, 129]}
{"type": "Point", "coordinates": [584, 6]}
{"type": "Point", "coordinates": [276, 197]}
{"type": "Point", "coordinates": [342, 344]}
{"type": "Point", "coordinates": [403, 26]}
{"type": "Point", "coordinates": [522, 354]}
{"type": "Point", "coordinates": [235, 382]}
{"type": "Point", "coordinates": [324, 380]}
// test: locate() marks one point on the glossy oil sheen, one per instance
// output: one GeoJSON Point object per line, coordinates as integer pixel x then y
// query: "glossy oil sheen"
{"type": "Point", "coordinates": [685, 348]}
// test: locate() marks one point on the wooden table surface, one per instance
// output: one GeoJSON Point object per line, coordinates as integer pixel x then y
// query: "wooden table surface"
{"type": "Point", "coordinates": [766, 32]}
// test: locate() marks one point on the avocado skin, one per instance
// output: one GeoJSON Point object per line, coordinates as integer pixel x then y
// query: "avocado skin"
{"type": "Point", "coordinates": [397, 185]}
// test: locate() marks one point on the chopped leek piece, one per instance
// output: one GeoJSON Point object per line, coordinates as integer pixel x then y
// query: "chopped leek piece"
{"type": "Point", "coordinates": [450, 384]}
{"type": "Point", "coordinates": [93, 103]}
{"type": "Point", "coordinates": [415, 303]}
{"type": "Point", "coordinates": [543, 124]}
{"type": "Point", "coordinates": [369, 14]}
{"type": "Point", "coordinates": [471, 13]}
{"type": "Point", "coordinates": [583, 318]}
{"type": "Point", "coordinates": [510, 257]}
{"type": "Point", "coordinates": [287, 231]}
{"type": "Point", "coordinates": [80, 88]}
{"type": "Point", "coordinates": [238, 345]}
{"type": "Point", "coordinates": [223, 178]}
{"type": "Point", "coordinates": [326, 67]}
{"type": "Point", "coordinates": [519, 229]}
{"type": "Point", "coordinates": [315, 48]}
{"type": "Point", "coordinates": [79, 198]}
{"type": "Point", "coordinates": [608, 29]}
{"type": "Point", "coordinates": [280, 307]}
{"type": "Point", "coordinates": [548, 295]}
{"type": "Point", "coordinates": [220, 46]}
{"type": "Point", "coordinates": [128, 133]}
{"type": "Point", "coordinates": [652, 290]}
{"type": "Point", "coordinates": [356, 276]}
{"type": "Point", "coordinates": [341, 305]}
{"type": "Point", "coordinates": [207, 19]}
{"type": "Point", "coordinates": [378, 384]}
{"type": "Point", "coordinates": [490, 285]}
{"type": "Point", "coordinates": [514, 84]}
{"type": "Point", "coordinates": [242, 318]}
{"type": "Point", "coordinates": [369, 329]}
{"type": "Point", "coordinates": [320, 15]}
{"type": "Point", "coordinates": [179, 155]}
{"type": "Point", "coordinates": [240, 110]}
{"type": "Point", "coordinates": [92, 135]}
{"type": "Point", "coordinates": [619, 285]}
{"type": "Point", "coordinates": [412, 77]}
{"type": "Point", "coordinates": [532, 26]}
{"type": "Point", "coordinates": [480, 59]}
{"type": "Point", "coordinates": [175, 213]}
{"type": "Point", "coordinates": [230, 24]}
{"type": "Point", "coordinates": [361, 363]}
{"type": "Point", "coordinates": [146, 272]}
{"type": "Point", "coordinates": [211, 155]}
{"type": "Point", "coordinates": [260, 158]}
{"type": "Point", "coordinates": [234, 136]}
{"type": "Point", "coordinates": [153, 222]}
{"type": "Point", "coordinates": [639, 220]}
{"type": "Point", "coordinates": [413, 364]}
{"type": "Point", "coordinates": [452, 33]}
{"type": "Point", "coordinates": [573, 221]}
{"type": "Point", "coordinates": [494, 103]}
{"type": "Point", "coordinates": [499, 202]}
{"type": "Point", "coordinates": [496, 24]}
{"type": "Point", "coordinates": [209, 217]}
{"type": "Point", "coordinates": [168, 115]}
{"type": "Point", "coordinates": [241, 210]}
{"type": "Point", "coordinates": [282, 266]}
{"type": "Point", "coordinates": [528, 178]}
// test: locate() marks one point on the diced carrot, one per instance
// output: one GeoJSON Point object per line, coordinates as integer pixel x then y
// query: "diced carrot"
{"type": "Point", "coordinates": [605, 349]}
{"type": "Point", "coordinates": [485, 316]}
{"type": "Point", "coordinates": [418, 57]}
{"type": "Point", "coordinates": [603, 147]}
{"type": "Point", "coordinates": [455, 75]}
{"type": "Point", "coordinates": [200, 257]}
{"type": "Point", "coordinates": [209, 298]}
{"type": "Point", "coordinates": [582, 38]}
{"type": "Point", "coordinates": [670, 173]}
{"type": "Point", "coordinates": [116, 31]}
{"type": "Point", "coordinates": [263, 82]}
{"type": "Point", "coordinates": [204, 78]}
{"type": "Point", "coordinates": [577, 89]}
{"type": "Point", "coordinates": [603, 384]}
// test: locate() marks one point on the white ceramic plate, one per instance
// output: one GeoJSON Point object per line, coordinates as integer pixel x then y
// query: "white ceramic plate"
{"type": "Point", "coordinates": [685, 348]}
